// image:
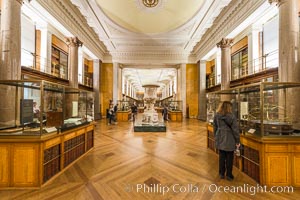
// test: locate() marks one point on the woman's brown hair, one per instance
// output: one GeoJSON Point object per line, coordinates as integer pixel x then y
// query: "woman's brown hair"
{"type": "Point", "coordinates": [224, 107]}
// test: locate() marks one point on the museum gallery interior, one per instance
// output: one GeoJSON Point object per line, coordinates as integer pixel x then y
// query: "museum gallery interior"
{"type": "Point", "coordinates": [116, 99]}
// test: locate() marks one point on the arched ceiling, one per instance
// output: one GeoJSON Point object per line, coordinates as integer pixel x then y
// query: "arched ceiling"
{"type": "Point", "coordinates": [165, 34]}
{"type": "Point", "coordinates": [167, 15]}
{"type": "Point", "coordinates": [151, 76]}
{"type": "Point", "coordinates": [157, 37]}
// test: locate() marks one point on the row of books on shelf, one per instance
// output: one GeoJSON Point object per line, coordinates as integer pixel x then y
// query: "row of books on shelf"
{"type": "Point", "coordinates": [211, 144]}
{"type": "Point", "coordinates": [90, 140]}
{"type": "Point", "coordinates": [51, 153]}
{"type": "Point", "coordinates": [251, 154]}
{"type": "Point", "coordinates": [251, 162]}
{"type": "Point", "coordinates": [88, 81]}
{"type": "Point", "coordinates": [73, 154]}
{"type": "Point", "coordinates": [211, 134]}
{"type": "Point", "coordinates": [251, 169]}
{"type": "Point", "coordinates": [51, 168]}
{"type": "Point", "coordinates": [69, 144]}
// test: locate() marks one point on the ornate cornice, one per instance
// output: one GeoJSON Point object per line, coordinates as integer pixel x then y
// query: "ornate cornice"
{"type": "Point", "coordinates": [150, 57]}
{"type": "Point", "coordinates": [230, 17]}
{"type": "Point", "coordinates": [70, 17]}
{"type": "Point", "coordinates": [225, 43]}
{"type": "Point", "coordinates": [277, 2]}
{"type": "Point", "coordinates": [73, 41]}
{"type": "Point", "coordinates": [119, 39]}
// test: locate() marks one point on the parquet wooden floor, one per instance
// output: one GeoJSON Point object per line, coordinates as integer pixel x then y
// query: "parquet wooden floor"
{"type": "Point", "coordinates": [137, 166]}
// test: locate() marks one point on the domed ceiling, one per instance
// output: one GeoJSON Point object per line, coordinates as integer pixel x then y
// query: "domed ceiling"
{"type": "Point", "coordinates": [150, 16]}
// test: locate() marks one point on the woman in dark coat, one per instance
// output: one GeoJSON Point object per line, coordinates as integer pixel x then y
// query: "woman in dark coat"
{"type": "Point", "coordinates": [227, 138]}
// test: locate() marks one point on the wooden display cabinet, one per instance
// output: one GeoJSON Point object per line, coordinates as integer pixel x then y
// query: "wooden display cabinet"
{"type": "Point", "coordinates": [123, 116]}
{"type": "Point", "coordinates": [59, 63]}
{"type": "Point", "coordinates": [88, 73]}
{"type": "Point", "coordinates": [271, 161]}
{"type": "Point", "coordinates": [31, 161]}
{"type": "Point", "coordinates": [175, 116]}
{"type": "Point", "coordinates": [59, 58]}
{"type": "Point", "coordinates": [239, 64]}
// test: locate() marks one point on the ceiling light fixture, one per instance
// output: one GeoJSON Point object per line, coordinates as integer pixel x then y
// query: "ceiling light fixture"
{"type": "Point", "coordinates": [151, 6]}
{"type": "Point", "coordinates": [150, 3]}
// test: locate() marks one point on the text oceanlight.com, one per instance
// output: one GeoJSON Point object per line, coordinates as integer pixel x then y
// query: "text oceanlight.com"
{"type": "Point", "coordinates": [212, 188]}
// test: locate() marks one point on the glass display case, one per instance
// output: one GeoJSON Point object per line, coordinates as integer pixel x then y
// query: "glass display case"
{"type": "Point", "coordinates": [124, 105]}
{"type": "Point", "coordinates": [264, 109]}
{"type": "Point", "coordinates": [174, 105]}
{"type": "Point", "coordinates": [40, 107]}
{"type": "Point", "coordinates": [79, 108]}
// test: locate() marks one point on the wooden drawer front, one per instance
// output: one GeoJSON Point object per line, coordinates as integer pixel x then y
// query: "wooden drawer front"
{"type": "Point", "coordinates": [25, 165]}
{"type": "Point", "coordinates": [276, 148]}
{"type": "Point", "coordinates": [278, 169]}
{"type": "Point", "coordinates": [80, 132]}
{"type": "Point", "coordinates": [250, 143]}
{"type": "Point", "coordinates": [52, 142]}
{"type": "Point", "coordinates": [4, 165]}
{"type": "Point", "coordinates": [70, 135]}
{"type": "Point", "coordinates": [89, 128]}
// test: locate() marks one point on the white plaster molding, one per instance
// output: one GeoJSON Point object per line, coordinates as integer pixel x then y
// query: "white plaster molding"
{"type": "Point", "coordinates": [233, 15]}
{"type": "Point", "coordinates": [209, 14]}
{"type": "Point", "coordinates": [119, 39]}
{"type": "Point", "coordinates": [68, 15]}
{"type": "Point", "coordinates": [153, 58]}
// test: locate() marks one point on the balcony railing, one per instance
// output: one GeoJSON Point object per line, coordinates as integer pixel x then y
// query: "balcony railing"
{"type": "Point", "coordinates": [36, 62]}
{"type": "Point", "coordinates": [267, 61]}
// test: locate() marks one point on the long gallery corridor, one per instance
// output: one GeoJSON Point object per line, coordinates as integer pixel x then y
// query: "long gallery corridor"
{"type": "Point", "coordinates": [121, 159]}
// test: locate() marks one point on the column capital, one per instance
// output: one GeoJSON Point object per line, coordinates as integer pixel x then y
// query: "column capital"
{"type": "Point", "coordinates": [73, 41]}
{"type": "Point", "coordinates": [225, 43]}
{"type": "Point", "coordinates": [277, 2]}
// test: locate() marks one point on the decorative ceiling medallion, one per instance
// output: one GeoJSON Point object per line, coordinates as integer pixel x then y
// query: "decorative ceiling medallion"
{"type": "Point", "coordinates": [150, 3]}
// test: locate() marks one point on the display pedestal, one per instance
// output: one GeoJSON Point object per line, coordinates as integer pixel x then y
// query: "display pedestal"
{"type": "Point", "coordinates": [123, 116]}
{"type": "Point", "coordinates": [150, 128]}
{"type": "Point", "coordinates": [150, 121]}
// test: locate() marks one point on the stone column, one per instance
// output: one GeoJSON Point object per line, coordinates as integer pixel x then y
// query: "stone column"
{"type": "Point", "coordinates": [115, 82]}
{"type": "Point", "coordinates": [289, 70]}
{"type": "Point", "coordinates": [254, 64]}
{"type": "Point", "coordinates": [225, 45]}
{"type": "Point", "coordinates": [119, 83]}
{"type": "Point", "coordinates": [182, 86]}
{"type": "Point", "coordinates": [73, 43]}
{"type": "Point", "coordinates": [10, 63]}
{"type": "Point", "coordinates": [44, 56]}
{"type": "Point", "coordinates": [96, 88]}
{"type": "Point", "coordinates": [289, 65]}
{"type": "Point", "coordinates": [179, 83]}
{"type": "Point", "coordinates": [202, 90]}
{"type": "Point", "coordinates": [10, 40]}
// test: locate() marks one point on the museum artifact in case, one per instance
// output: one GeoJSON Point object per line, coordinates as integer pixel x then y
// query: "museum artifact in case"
{"type": "Point", "coordinates": [264, 109]}
{"type": "Point", "coordinates": [31, 107]}
{"type": "Point", "coordinates": [124, 105]}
